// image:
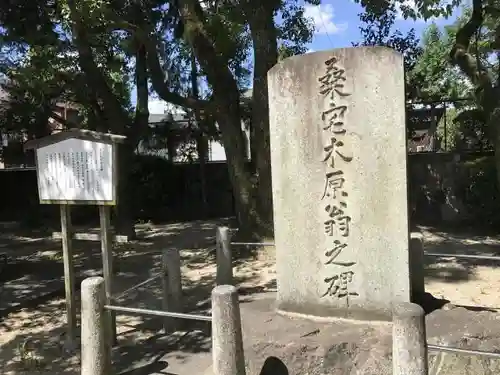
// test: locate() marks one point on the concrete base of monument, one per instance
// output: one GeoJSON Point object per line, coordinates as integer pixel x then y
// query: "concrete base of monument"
{"type": "Point", "coordinates": [342, 347]}
{"type": "Point", "coordinates": [330, 313]}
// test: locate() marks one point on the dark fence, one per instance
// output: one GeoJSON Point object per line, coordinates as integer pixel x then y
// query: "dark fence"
{"type": "Point", "coordinates": [160, 191]}
{"type": "Point", "coordinates": [442, 186]}
{"type": "Point", "coordinates": [454, 188]}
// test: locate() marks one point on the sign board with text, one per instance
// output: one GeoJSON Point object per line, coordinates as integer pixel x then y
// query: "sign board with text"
{"type": "Point", "coordinates": [77, 167]}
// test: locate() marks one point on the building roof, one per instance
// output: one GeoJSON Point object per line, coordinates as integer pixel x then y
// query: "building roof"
{"type": "Point", "coordinates": [73, 133]}
{"type": "Point", "coordinates": [182, 117]}
{"type": "Point", "coordinates": [167, 117]}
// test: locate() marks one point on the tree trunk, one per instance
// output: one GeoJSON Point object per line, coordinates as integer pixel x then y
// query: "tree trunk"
{"type": "Point", "coordinates": [226, 109]}
{"type": "Point", "coordinates": [243, 191]}
{"type": "Point", "coordinates": [124, 220]}
{"type": "Point", "coordinates": [249, 219]}
{"type": "Point", "coordinates": [201, 146]}
{"type": "Point", "coordinates": [265, 48]}
{"type": "Point", "coordinates": [201, 149]}
{"type": "Point", "coordinates": [486, 89]}
{"type": "Point", "coordinates": [227, 113]}
{"type": "Point", "coordinates": [115, 115]}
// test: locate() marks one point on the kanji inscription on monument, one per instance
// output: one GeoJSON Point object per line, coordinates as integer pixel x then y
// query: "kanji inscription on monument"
{"type": "Point", "coordinates": [338, 158]}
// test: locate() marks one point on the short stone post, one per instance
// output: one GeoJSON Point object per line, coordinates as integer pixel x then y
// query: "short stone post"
{"type": "Point", "coordinates": [227, 338]}
{"type": "Point", "coordinates": [96, 349]}
{"type": "Point", "coordinates": [409, 345]}
{"type": "Point", "coordinates": [172, 287]}
{"type": "Point", "coordinates": [223, 257]}
{"type": "Point", "coordinates": [417, 266]}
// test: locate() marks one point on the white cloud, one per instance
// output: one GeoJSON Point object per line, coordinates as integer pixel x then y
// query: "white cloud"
{"type": "Point", "coordinates": [322, 18]}
{"type": "Point", "coordinates": [407, 3]}
{"type": "Point", "coordinates": [411, 4]}
{"type": "Point", "coordinates": [310, 51]}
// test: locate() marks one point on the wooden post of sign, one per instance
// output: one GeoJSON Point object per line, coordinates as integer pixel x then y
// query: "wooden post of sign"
{"type": "Point", "coordinates": [69, 274]}
{"type": "Point", "coordinates": [107, 263]}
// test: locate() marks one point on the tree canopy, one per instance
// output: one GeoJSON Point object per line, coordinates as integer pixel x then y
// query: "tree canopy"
{"type": "Point", "coordinates": [100, 46]}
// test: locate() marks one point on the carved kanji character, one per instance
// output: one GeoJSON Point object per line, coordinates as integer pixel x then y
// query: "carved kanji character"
{"type": "Point", "coordinates": [334, 252]}
{"type": "Point", "coordinates": [333, 147]}
{"type": "Point", "coordinates": [334, 210]}
{"type": "Point", "coordinates": [333, 182]}
{"type": "Point", "coordinates": [332, 80]}
{"type": "Point", "coordinates": [342, 223]}
{"type": "Point", "coordinates": [338, 285]}
{"type": "Point", "coordinates": [335, 119]}
{"type": "Point", "coordinates": [329, 227]}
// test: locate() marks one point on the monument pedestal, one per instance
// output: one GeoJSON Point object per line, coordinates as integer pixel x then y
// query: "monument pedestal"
{"type": "Point", "coordinates": [326, 313]}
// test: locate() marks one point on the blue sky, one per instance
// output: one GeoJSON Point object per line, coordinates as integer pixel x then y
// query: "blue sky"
{"type": "Point", "coordinates": [336, 25]}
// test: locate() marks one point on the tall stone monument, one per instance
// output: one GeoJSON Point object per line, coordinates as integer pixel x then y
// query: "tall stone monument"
{"type": "Point", "coordinates": [338, 154]}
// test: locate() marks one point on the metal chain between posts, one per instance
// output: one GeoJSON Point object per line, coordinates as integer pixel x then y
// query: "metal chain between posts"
{"type": "Point", "coordinates": [450, 349]}
{"type": "Point", "coordinates": [252, 243]}
{"type": "Point", "coordinates": [167, 314]}
{"type": "Point", "coordinates": [464, 256]}
{"type": "Point", "coordinates": [225, 322]}
{"type": "Point", "coordinates": [137, 286]}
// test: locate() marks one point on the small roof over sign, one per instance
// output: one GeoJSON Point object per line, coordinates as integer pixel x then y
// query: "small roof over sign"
{"type": "Point", "coordinates": [84, 134]}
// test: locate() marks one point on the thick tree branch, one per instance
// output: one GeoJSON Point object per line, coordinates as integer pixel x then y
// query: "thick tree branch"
{"type": "Point", "coordinates": [117, 116]}
{"type": "Point", "coordinates": [156, 72]}
{"type": "Point", "coordinates": [141, 81]}
{"type": "Point", "coordinates": [159, 85]}
{"type": "Point", "coordinates": [460, 55]}
{"type": "Point", "coordinates": [216, 68]}
{"type": "Point", "coordinates": [226, 95]}
{"type": "Point", "coordinates": [478, 75]}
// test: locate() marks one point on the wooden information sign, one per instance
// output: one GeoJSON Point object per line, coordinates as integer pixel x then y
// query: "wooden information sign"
{"type": "Point", "coordinates": [79, 166]}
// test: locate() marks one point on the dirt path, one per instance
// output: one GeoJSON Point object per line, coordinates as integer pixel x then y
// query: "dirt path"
{"type": "Point", "coordinates": [468, 282]}
{"type": "Point", "coordinates": [32, 334]}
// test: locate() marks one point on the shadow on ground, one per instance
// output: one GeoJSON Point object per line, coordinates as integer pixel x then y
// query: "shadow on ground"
{"type": "Point", "coordinates": [32, 309]}
{"type": "Point", "coordinates": [450, 269]}
{"type": "Point", "coordinates": [34, 269]}
{"type": "Point", "coordinates": [32, 319]}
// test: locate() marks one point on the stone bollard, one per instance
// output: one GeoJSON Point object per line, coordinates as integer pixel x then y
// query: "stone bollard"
{"type": "Point", "coordinates": [409, 345]}
{"type": "Point", "coordinates": [96, 348]}
{"type": "Point", "coordinates": [417, 267]}
{"type": "Point", "coordinates": [172, 287]}
{"type": "Point", "coordinates": [227, 338]}
{"type": "Point", "coordinates": [223, 257]}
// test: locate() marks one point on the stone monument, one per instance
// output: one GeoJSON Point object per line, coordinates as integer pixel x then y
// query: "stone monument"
{"type": "Point", "coordinates": [338, 154]}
